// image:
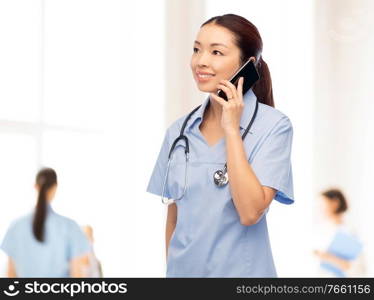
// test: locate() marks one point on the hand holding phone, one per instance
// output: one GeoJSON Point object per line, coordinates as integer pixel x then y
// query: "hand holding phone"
{"type": "Point", "coordinates": [250, 74]}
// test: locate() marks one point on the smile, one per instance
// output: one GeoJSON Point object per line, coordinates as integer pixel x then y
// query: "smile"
{"type": "Point", "coordinates": [204, 76]}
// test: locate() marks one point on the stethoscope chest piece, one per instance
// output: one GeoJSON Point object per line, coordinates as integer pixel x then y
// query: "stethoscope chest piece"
{"type": "Point", "coordinates": [221, 177]}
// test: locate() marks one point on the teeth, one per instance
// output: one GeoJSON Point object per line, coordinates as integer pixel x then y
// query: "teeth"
{"type": "Point", "coordinates": [204, 75]}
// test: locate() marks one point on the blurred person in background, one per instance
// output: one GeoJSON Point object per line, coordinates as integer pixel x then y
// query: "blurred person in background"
{"type": "Point", "coordinates": [342, 255]}
{"type": "Point", "coordinates": [92, 266]}
{"type": "Point", "coordinates": [44, 243]}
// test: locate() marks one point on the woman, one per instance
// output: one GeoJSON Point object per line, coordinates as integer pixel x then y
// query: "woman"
{"type": "Point", "coordinates": [221, 231]}
{"type": "Point", "coordinates": [341, 238]}
{"type": "Point", "coordinates": [44, 243]}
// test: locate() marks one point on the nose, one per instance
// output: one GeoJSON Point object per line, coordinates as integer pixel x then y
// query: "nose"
{"type": "Point", "coordinates": [203, 59]}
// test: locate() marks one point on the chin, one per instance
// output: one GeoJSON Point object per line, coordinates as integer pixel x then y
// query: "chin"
{"type": "Point", "coordinates": [206, 88]}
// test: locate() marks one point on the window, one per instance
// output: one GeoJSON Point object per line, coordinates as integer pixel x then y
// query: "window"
{"type": "Point", "coordinates": [75, 96]}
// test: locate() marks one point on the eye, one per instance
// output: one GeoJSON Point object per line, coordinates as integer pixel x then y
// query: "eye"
{"type": "Point", "coordinates": [195, 50]}
{"type": "Point", "coordinates": [217, 52]}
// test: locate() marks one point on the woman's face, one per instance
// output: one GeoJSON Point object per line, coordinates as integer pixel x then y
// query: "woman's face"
{"type": "Point", "coordinates": [329, 206]}
{"type": "Point", "coordinates": [215, 57]}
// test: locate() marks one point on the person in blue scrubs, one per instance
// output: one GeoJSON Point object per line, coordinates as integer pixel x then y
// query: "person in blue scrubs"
{"type": "Point", "coordinates": [215, 231]}
{"type": "Point", "coordinates": [44, 243]}
{"type": "Point", "coordinates": [342, 253]}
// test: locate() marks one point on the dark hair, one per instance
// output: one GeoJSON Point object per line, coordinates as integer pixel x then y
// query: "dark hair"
{"type": "Point", "coordinates": [249, 41]}
{"type": "Point", "coordinates": [336, 195]}
{"type": "Point", "coordinates": [45, 179]}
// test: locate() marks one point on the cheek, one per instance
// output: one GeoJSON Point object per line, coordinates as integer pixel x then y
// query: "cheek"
{"type": "Point", "coordinates": [329, 207]}
{"type": "Point", "coordinates": [226, 70]}
{"type": "Point", "coordinates": [232, 71]}
{"type": "Point", "coordinates": [193, 62]}
{"type": "Point", "coordinates": [323, 207]}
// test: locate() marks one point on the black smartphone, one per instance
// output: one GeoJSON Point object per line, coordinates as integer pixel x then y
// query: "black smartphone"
{"type": "Point", "coordinates": [250, 74]}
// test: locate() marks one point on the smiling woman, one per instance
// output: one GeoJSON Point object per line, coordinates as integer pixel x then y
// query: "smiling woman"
{"type": "Point", "coordinates": [221, 231]}
{"type": "Point", "coordinates": [244, 44]}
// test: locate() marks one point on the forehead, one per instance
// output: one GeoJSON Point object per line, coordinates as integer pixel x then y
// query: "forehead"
{"type": "Point", "coordinates": [326, 199]}
{"type": "Point", "coordinates": [212, 33]}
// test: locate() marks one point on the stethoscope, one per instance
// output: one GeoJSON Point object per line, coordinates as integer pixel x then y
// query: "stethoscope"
{"type": "Point", "coordinates": [220, 177]}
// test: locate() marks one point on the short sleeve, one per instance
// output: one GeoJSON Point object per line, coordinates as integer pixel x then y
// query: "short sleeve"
{"type": "Point", "coordinates": [8, 244]}
{"type": "Point", "coordinates": [159, 171]}
{"type": "Point", "coordinates": [78, 242]}
{"type": "Point", "coordinates": [272, 163]}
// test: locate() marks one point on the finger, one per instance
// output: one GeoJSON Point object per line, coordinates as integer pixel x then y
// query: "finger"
{"type": "Point", "coordinates": [231, 87]}
{"type": "Point", "coordinates": [226, 90]}
{"type": "Point", "coordinates": [240, 88]}
{"type": "Point", "coordinates": [218, 99]}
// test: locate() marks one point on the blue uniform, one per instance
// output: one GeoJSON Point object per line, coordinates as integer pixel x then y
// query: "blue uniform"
{"type": "Point", "coordinates": [209, 240]}
{"type": "Point", "coordinates": [63, 241]}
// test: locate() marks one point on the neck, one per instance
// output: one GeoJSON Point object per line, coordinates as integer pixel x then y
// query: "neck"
{"type": "Point", "coordinates": [214, 111]}
{"type": "Point", "coordinates": [337, 219]}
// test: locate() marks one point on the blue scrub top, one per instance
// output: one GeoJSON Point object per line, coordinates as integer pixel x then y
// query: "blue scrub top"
{"type": "Point", "coordinates": [63, 241]}
{"type": "Point", "coordinates": [209, 240]}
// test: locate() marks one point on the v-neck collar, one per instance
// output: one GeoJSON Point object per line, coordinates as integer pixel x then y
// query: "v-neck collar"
{"type": "Point", "coordinates": [249, 99]}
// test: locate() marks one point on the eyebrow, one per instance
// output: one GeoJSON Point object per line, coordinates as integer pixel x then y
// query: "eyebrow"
{"type": "Point", "coordinates": [212, 44]}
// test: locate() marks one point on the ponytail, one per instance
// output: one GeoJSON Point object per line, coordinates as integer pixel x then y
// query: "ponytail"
{"type": "Point", "coordinates": [45, 179]}
{"type": "Point", "coordinates": [263, 88]}
{"type": "Point", "coordinates": [40, 214]}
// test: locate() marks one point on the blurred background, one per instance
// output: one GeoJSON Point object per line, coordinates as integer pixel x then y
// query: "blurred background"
{"type": "Point", "coordinates": [88, 87]}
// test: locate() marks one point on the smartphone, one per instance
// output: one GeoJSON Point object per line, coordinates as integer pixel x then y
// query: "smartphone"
{"type": "Point", "coordinates": [250, 74]}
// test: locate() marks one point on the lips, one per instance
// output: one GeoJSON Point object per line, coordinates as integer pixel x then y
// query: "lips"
{"type": "Point", "coordinates": [204, 76]}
